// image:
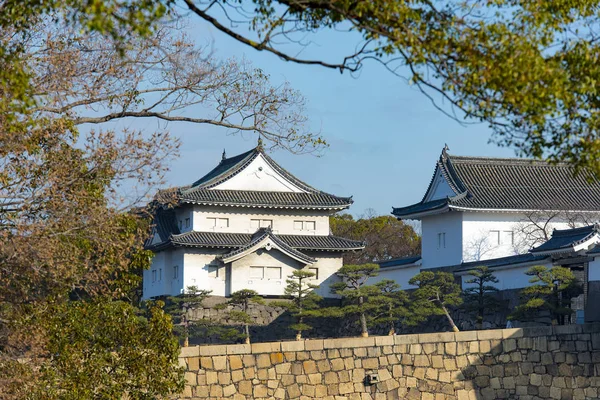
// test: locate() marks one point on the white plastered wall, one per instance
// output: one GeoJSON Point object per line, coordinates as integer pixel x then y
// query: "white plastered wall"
{"type": "Point", "coordinates": [239, 220]}
{"type": "Point", "coordinates": [439, 188]}
{"type": "Point", "coordinates": [165, 284]}
{"type": "Point", "coordinates": [400, 275]}
{"type": "Point", "coordinates": [594, 269]}
{"type": "Point", "coordinates": [449, 254]}
{"type": "Point", "coordinates": [259, 176]}
{"type": "Point", "coordinates": [509, 278]}
{"type": "Point", "coordinates": [478, 244]}
{"type": "Point", "coordinates": [241, 277]}
{"type": "Point", "coordinates": [196, 271]}
{"type": "Point", "coordinates": [327, 264]}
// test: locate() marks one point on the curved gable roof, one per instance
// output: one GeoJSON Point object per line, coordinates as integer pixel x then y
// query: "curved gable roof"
{"type": "Point", "coordinates": [264, 238]}
{"type": "Point", "coordinates": [203, 191]}
{"type": "Point", "coordinates": [508, 184]}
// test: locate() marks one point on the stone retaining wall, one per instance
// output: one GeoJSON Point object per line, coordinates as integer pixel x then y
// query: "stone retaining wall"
{"type": "Point", "coordinates": [561, 362]}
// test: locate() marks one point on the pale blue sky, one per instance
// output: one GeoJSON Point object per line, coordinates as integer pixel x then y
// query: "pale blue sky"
{"type": "Point", "coordinates": [384, 135]}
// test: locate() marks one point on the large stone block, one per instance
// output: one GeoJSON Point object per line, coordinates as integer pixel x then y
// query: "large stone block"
{"type": "Point", "coordinates": [239, 349]}
{"type": "Point", "coordinates": [215, 350]}
{"type": "Point", "coordinates": [191, 351]}
{"type": "Point", "coordinates": [265, 347]}
{"type": "Point", "coordinates": [406, 339]}
{"type": "Point", "coordinates": [489, 334]}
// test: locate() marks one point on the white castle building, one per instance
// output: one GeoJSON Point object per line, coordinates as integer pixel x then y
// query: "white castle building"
{"type": "Point", "coordinates": [247, 224]}
{"type": "Point", "coordinates": [508, 214]}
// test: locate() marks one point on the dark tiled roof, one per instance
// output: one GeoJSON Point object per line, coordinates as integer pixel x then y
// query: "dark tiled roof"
{"type": "Point", "coordinates": [595, 250]}
{"type": "Point", "coordinates": [202, 192]}
{"type": "Point", "coordinates": [236, 240]}
{"type": "Point", "coordinates": [423, 207]}
{"type": "Point", "coordinates": [514, 184]}
{"type": "Point", "coordinates": [247, 198]}
{"type": "Point", "coordinates": [397, 262]}
{"type": "Point", "coordinates": [226, 167]}
{"type": "Point", "coordinates": [165, 224]}
{"type": "Point", "coordinates": [495, 262]}
{"type": "Point", "coordinates": [567, 239]}
{"type": "Point", "coordinates": [265, 233]}
{"type": "Point", "coordinates": [313, 242]}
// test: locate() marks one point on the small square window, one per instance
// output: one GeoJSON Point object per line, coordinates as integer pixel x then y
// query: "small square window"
{"type": "Point", "coordinates": [442, 240]}
{"type": "Point", "coordinates": [255, 223]}
{"type": "Point", "coordinates": [176, 272]}
{"type": "Point", "coordinates": [153, 275]}
{"type": "Point", "coordinates": [507, 238]}
{"type": "Point", "coordinates": [273, 273]}
{"type": "Point", "coordinates": [223, 223]}
{"type": "Point", "coordinates": [310, 225]}
{"type": "Point", "coordinates": [257, 272]}
{"type": "Point", "coordinates": [266, 223]}
{"type": "Point", "coordinates": [180, 224]}
{"type": "Point", "coordinates": [494, 238]}
{"type": "Point", "coordinates": [187, 222]}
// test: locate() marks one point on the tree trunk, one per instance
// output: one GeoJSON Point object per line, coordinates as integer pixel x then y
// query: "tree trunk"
{"type": "Point", "coordinates": [364, 332]}
{"type": "Point", "coordinates": [299, 335]}
{"type": "Point", "coordinates": [247, 331]}
{"type": "Point", "coordinates": [450, 320]}
{"type": "Point", "coordinates": [186, 341]}
{"type": "Point", "coordinates": [392, 330]}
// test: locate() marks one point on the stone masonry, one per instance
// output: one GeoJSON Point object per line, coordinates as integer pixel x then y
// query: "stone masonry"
{"type": "Point", "coordinates": [561, 362]}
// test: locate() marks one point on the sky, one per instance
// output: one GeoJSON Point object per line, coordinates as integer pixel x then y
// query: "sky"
{"type": "Point", "coordinates": [384, 135]}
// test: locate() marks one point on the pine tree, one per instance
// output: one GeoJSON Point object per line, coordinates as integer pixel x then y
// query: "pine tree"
{"type": "Point", "coordinates": [356, 295]}
{"type": "Point", "coordinates": [391, 304]}
{"type": "Point", "coordinates": [242, 299]}
{"type": "Point", "coordinates": [434, 294]}
{"type": "Point", "coordinates": [178, 306]}
{"type": "Point", "coordinates": [552, 291]}
{"type": "Point", "coordinates": [304, 301]}
{"type": "Point", "coordinates": [479, 296]}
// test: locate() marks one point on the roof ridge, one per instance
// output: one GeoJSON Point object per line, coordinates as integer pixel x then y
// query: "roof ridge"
{"type": "Point", "coordinates": [239, 161]}
{"type": "Point", "coordinates": [515, 159]}
{"type": "Point", "coordinates": [591, 228]}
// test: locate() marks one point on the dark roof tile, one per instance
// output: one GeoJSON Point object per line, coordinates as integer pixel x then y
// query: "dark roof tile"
{"type": "Point", "coordinates": [202, 192]}
{"type": "Point", "coordinates": [249, 198]}
{"type": "Point", "coordinates": [567, 239]}
{"type": "Point", "coordinates": [236, 240]}
{"type": "Point", "coordinates": [398, 262]}
{"type": "Point", "coordinates": [264, 233]}
{"type": "Point", "coordinates": [511, 184]}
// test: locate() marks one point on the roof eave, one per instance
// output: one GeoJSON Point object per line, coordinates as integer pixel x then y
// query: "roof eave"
{"type": "Point", "coordinates": [422, 214]}
{"type": "Point", "coordinates": [246, 205]}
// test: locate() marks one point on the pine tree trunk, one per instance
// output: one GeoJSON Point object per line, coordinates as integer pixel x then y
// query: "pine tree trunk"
{"type": "Point", "coordinates": [450, 320]}
{"type": "Point", "coordinates": [364, 332]}
{"type": "Point", "coordinates": [299, 335]}
{"type": "Point", "coordinates": [392, 330]}
{"type": "Point", "coordinates": [247, 331]}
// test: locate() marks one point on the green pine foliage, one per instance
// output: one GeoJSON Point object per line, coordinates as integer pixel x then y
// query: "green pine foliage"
{"type": "Point", "coordinates": [304, 301]}
{"type": "Point", "coordinates": [357, 297]}
{"type": "Point", "coordinates": [435, 293]}
{"type": "Point", "coordinates": [479, 298]}
{"type": "Point", "coordinates": [552, 291]}
{"type": "Point", "coordinates": [178, 306]}
{"type": "Point", "coordinates": [242, 300]}
{"type": "Point", "coordinates": [392, 305]}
